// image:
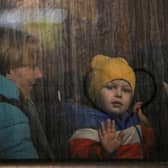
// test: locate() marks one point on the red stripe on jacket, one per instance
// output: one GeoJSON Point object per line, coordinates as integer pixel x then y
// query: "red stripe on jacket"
{"type": "Point", "coordinates": [89, 149]}
{"type": "Point", "coordinates": [148, 136]}
{"type": "Point", "coordinates": [83, 148]}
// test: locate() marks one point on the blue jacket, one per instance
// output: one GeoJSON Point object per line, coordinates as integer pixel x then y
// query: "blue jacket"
{"type": "Point", "coordinates": [135, 143]}
{"type": "Point", "coordinates": [80, 116]}
{"type": "Point", "coordinates": [15, 137]}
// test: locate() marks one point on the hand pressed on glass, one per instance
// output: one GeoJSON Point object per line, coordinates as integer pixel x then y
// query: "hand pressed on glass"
{"type": "Point", "coordinates": [109, 138]}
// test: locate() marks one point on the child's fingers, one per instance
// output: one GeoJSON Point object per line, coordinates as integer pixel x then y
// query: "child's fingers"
{"type": "Point", "coordinates": [137, 106]}
{"type": "Point", "coordinates": [100, 133]}
{"type": "Point", "coordinates": [102, 127]}
{"type": "Point", "coordinates": [139, 102]}
{"type": "Point", "coordinates": [139, 111]}
{"type": "Point", "coordinates": [113, 128]}
{"type": "Point", "coordinates": [136, 109]}
{"type": "Point", "coordinates": [109, 125]}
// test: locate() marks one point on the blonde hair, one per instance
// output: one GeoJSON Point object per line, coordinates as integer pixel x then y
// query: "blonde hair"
{"type": "Point", "coordinates": [17, 49]}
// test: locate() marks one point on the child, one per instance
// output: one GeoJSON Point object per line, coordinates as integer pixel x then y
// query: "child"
{"type": "Point", "coordinates": [111, 132]}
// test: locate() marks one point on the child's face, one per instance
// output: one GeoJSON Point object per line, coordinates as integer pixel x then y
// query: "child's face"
{"type": "Point", "coordinates": [115, 97]}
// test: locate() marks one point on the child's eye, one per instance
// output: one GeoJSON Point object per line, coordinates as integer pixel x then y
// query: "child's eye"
{"type": "Point", "coordinates": [110, 87]}
{"type": "Point", "coordinates": [127, 90]}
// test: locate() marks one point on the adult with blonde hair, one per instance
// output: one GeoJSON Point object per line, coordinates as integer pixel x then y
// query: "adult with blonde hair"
{"type": "Point", "coordinates": [21, 133]}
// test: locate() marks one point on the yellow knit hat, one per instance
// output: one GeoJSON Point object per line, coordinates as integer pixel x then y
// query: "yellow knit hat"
{"type": "Point", "coordinates": [106, 69]}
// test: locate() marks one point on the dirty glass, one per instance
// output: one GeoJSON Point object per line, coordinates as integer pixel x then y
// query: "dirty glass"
{"type": "Point", "coordinates": [70, 33]}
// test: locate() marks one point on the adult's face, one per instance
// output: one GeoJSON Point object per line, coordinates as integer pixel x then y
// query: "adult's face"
{"type": "Point", "coordinates": [25, 78]}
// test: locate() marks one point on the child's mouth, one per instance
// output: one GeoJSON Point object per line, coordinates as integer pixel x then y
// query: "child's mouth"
{"type": "Point", "coordinates": [117, 104]}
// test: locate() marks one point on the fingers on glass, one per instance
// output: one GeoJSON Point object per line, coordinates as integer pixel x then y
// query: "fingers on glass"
{"type": "Point", "coordinates": [102, 128]}
{"type": "Point", "coordinates": [108, 126]}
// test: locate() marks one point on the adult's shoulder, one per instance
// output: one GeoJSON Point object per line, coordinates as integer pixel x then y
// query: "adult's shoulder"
{"type": "Point", "coordinates": [11, 115]}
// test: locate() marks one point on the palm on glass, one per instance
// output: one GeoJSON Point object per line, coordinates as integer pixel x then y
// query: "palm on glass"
{"type": "Point", "coordinates": [109, 138]}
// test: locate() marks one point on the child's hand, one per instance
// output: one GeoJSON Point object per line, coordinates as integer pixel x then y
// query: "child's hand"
{"type": "Point", "coordinates": [137, 109]}
{"type": "Point", "coordinates": [108, 137]}
{"type": "Point", "coordinates": [137, 106]}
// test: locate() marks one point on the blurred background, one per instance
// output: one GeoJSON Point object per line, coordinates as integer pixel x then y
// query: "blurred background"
{"type": "Point", "coordinates": [72, 32]}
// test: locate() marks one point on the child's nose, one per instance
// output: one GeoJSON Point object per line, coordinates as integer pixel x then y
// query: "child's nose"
{"type": "Point", "coordinates": [118, 92]}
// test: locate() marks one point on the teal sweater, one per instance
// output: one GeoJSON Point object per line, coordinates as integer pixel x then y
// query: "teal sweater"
{"type": "Point", "coordinates": [15, 138]}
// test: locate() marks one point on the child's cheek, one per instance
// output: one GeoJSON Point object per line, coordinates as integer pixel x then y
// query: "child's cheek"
{"type": "Point", "coordinates": [127, 101]}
